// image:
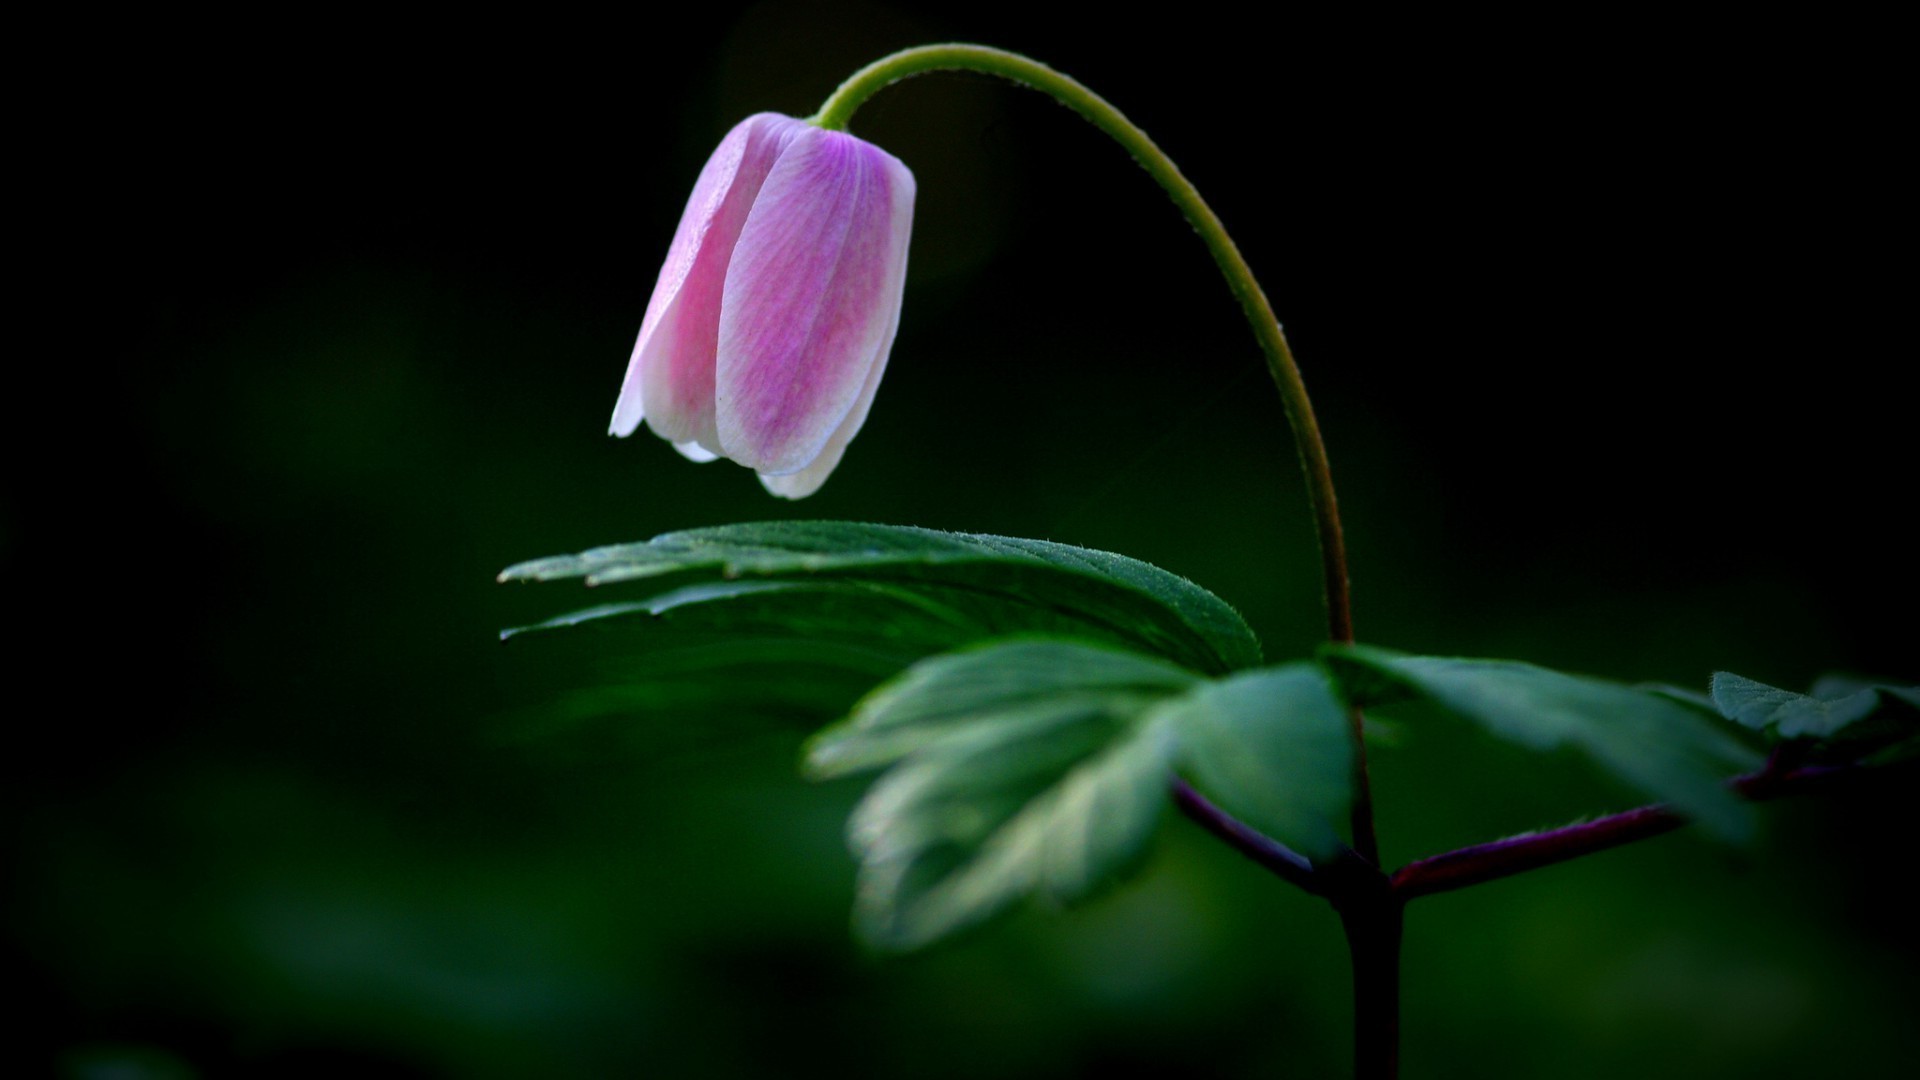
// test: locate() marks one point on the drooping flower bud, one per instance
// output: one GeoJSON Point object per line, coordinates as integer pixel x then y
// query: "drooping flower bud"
{"type": "Point", "coordinates": [770, 326]}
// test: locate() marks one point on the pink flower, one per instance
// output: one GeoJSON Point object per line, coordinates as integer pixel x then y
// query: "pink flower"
{"type": "Point", "coordinates": [773, 316]}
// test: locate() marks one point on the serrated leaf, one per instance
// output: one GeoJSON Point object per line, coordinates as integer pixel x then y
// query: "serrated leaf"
{"type": "Point", "coordinates": [1010, 682]}
{"type": "Point", "coordinates": [1682, 694]}
{"type": "Point", "coordinates": [1020, 767]}
{"type": "Point", "coordinates": [758, 653]}
{"type": "Point", "coordinates": [1058, 802]}
{"type": "Point", "coordinates": [1844, 719]}
{"type": "Point", "coordinates": [751, 652]}
{"type": "Point", "coordinates": [1786, 714]}
{"type": "Point", "coordinates": [1272, 748]}
{"type": "Point", "coordinates": [1663, 747]}
{"type": "Point", "coordinates": [1016, 585]}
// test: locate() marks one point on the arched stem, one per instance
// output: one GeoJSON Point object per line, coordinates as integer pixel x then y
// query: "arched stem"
{"type": "Point", "coordinates": [1373, 929]}
{"type": "Point", "coordinates": [870, 80]}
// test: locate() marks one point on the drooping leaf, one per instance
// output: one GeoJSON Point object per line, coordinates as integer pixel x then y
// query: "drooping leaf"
{"type": "Point", "coordinates": [1272, 748]}
{"type": "Point", "coordinates": [1661, 746]}
{"type": "Point", "coordinates": [1830, 686]}
{"type": "Point", "coordinates": [1040, 766]}
{"type": "Point", "coordinates": [1684, 695]}
{"type": "Point", "coordinates": [1026, 792]}
{"type": "Point", "coordinates": [1787, 714]}
{"type": "Point", "coordinates": [974, 582]}
{"type": "Point", "coordinates": [1844, 718]}
{"type": "Point", "coordinates": [728, 656]}
{"type": "Point", "coordinates": [1013, 682]}
{"type": "Point", "coordinates": [724, 655]}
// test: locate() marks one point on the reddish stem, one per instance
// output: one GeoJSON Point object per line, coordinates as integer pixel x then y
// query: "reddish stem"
{"type": "Point", "coordinates": [1502, 858]}
{"type": "Point", "coordinates": [1286, 863]}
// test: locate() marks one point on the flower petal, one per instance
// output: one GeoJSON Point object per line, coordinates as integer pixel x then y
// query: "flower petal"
{"type": "Point", "coordinates": [811, 302]}
{"type": "Point", "coordinates": [799, 485]}
{"type": "Point", "coordinates": [669, 378]}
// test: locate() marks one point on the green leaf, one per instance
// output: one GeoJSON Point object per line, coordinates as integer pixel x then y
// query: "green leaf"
{"type": "Point", "coordinates": [723, 655]}
{"type": "Point", "coordinates": [1845, 719]}
{"type": "Point", "coordinates": [1786, 714]}
{"type": "Point", "coordinates": [1042, 765]}
{"type": "Point", "coordinates": [1661, 746]}
{"type": "Point", "coordinates": [1017, 682]}
{"type": "Point", "coordinates": [1272, 748]}
{"type": "Point", "coordinates": [1055, 794]}
{"type": "Point", "coordinates": [1682, 694]}
{"type": "Point", "coordinates": [980, 586]}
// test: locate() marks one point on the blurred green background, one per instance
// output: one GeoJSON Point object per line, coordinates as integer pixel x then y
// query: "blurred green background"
{"type": "Point", "coordinates": [1598, 329]}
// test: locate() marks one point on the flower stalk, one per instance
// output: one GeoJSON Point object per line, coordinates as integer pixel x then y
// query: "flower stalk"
{"type": "Point", "coordinates": [1373, 927]}
{"type": "Point", "coordinates": [838, 111]}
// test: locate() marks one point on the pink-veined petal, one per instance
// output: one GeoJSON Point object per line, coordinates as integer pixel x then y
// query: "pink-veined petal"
{"type": "Point", "coordinates": [669, 380]}
{"type": "Point", "coordinates": [811, 301]}
{"type": "Point", "coordinates": [704, 206]}
{"type": "Point", "coordinates": [799, 485]}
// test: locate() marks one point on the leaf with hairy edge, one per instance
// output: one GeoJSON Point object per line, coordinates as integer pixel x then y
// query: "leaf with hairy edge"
{"type": "Point", "coordinates": [1041, 765]}
{"type": "Point", "coordinates": [1019, 767]}
{"type": "Point", "coordinates": [1828, 687]}
{"type": "Point", "coordinates": [1272, 748]}
{"type": "Point", "coordinates": [1010, 682]}
{"type": "Point", "coordinates": [728, 656]}
{"type": "Point", "coordinates": [1661, 746]}
{"type": "Point", "coordinates": [1687, 696]}
{"type": "Point", "coordinates": [906, 622]}
{"type": "Point", "coordinates": [1055, 801]}
{"type": "Point", "coordinates": [1835, 707]}
{"type": "Point", "coordinates": [1015, 584]}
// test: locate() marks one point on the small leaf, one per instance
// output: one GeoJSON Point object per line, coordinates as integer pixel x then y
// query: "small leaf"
{"type": "Point", "coordinates": [1019, 767]}
{"type": "Point", "coordinates": [1684, 695]}
{"type": "Point", "coordinates": [1015, 681]}
{"type": "Point", "coordinates": [1661, 746]}
{"type": "Point", "coordinates": [1844, 719]}
{"type": "Point", "coordinates": [1015, 585]}
{"type": "Point", "coordinates": [656, 605]}
{"type": "Point", "coordinates": [781, 653]}
{"type": "Point", "coordinates": [1786, 714]}
{"type": "Point", "coordinates": [1272, 748]}
{"type": "Point", "coordinates": [1059, 802]}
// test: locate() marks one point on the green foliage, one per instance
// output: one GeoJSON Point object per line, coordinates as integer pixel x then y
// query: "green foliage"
{"type": "Point", "coordinates": [1006, 683]}
{"type": "Point", "coordinates": [962, 587]}
{"type": "Point", "coordinates": [727, 656]}
{"type": "Point", "coordinates": [1041, 766]}
{"type": "Point", "coordinates": [1646, 738]}
{"type": "Point", "coordinates": [1272, 747]}
{"type": "Point", "coordinates": [1843, 718]}
{"type": "Point", "coordinates": [1013, 776]}
{"type": "Point", "coordinates": [1785, 714]}
{"type": "Point", "coordinates": [1035, 699]}
{"type": "Point", "coordinates": [1028, 765]}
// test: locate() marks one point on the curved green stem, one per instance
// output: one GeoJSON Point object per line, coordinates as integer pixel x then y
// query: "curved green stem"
{"type": "Point", "coordinates": [873, 78]}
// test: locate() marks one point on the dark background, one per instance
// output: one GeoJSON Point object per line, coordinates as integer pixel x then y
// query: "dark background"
{"type": "Point", "coordinates": [327, 314]}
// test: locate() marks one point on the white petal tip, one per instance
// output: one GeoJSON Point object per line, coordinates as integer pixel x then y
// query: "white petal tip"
{"type": "Point", "coordinates": [627, 415]}
{"type": "Point", "coordinates": [693, 451]}
{"type": "Point", "coordinates": [793, 485]}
